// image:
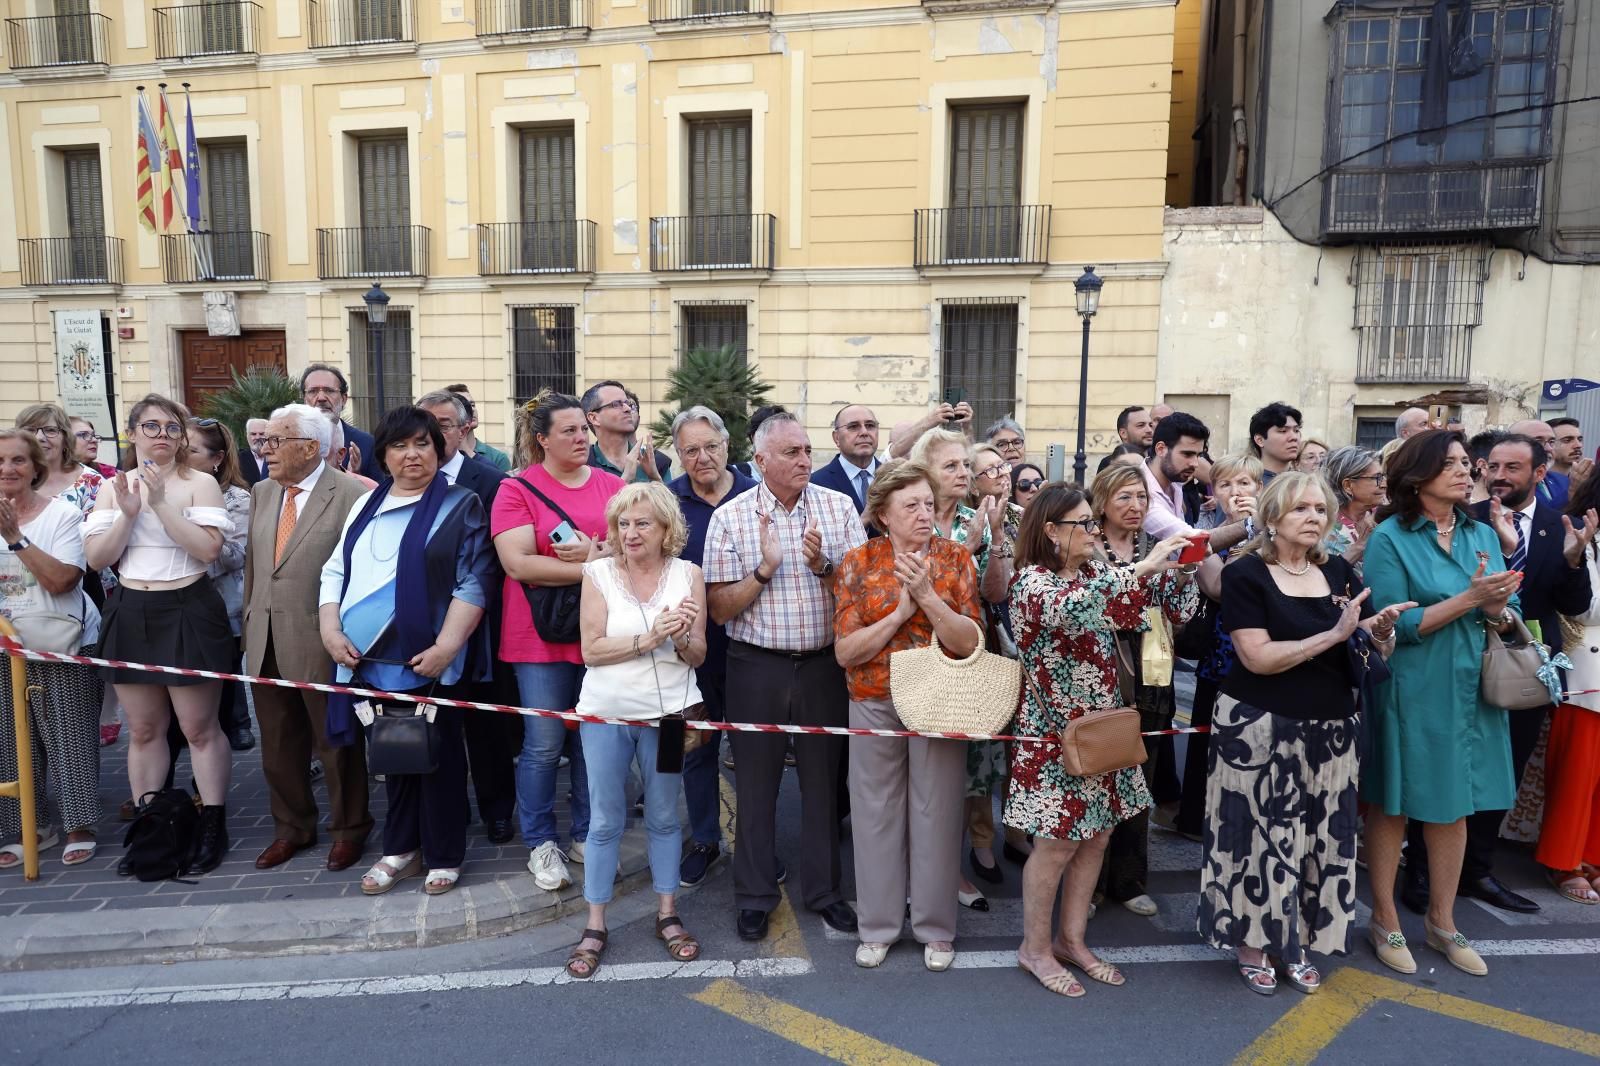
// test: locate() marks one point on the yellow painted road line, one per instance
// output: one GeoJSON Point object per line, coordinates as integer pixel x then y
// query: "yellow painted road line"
{"type": "Point", "coordinates": [810, 1031]}
{"type": "Point", "coordinates": [1302, 1034]}
{"type": "Point", "coordinates": [784, 939]}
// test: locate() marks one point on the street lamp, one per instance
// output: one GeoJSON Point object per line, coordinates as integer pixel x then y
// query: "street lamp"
{"type": "Point", "coordinates": [377, 302]}
{"type": "Point", "coordinates": [1088, 288]}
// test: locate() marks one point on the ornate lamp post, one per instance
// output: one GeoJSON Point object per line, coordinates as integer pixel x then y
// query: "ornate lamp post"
{"type": "Point", "coordinates": [1088, 288]}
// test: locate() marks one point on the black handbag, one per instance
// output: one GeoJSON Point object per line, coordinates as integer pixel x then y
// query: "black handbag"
{"type": "Point", "coordinates": [1196, 638]}
{"type": "Point", "coordinates": [401, 736]}
{"type": "Point", "coordinates": [554, 607]}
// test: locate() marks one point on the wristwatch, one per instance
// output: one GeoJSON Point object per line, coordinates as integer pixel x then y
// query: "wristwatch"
{"type": "Point", "coordinates": [19, 545]}
{"type": "Point", "coordinates": [827, 569]}
{"type": "Point", "coordinates": [756, 573]}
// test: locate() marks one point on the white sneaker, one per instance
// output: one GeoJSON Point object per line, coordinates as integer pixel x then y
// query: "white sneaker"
{"type": "Point", "coordinates": [1142, 905]}
{"type": "Point", "coordinates": [549, 872]}
{"type": "Point", "coordinates": [575, 852]}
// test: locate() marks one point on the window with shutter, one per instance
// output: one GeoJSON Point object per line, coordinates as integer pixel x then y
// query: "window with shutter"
{"type": "Point", "coordinates": [74, 32]}
{"type": "Point", "coordinates": [985, 182]}
{"type": "Point", "coordinates": [719, 192]}
{"type": "Point", "coordinates": [978, 354]}
{"type": "Point", "coordinates": [544, 352]}
{"type": "Point", "coordinates": [364, 368]}
{"type": "Point", "coordinates": [227, 204]}
{"type": "Point", "coordinates": [221, 27]}
{"type": "Point", "coordinates": [378, 20]}
{"type": "Point", "coordinates": [385, 206]}
{"type": "Point", "coordinates": [713, 327]}
{"type": "Point", "coordinates": [549, 199]}
{"type": "Point", "coordinates": [86, 226]}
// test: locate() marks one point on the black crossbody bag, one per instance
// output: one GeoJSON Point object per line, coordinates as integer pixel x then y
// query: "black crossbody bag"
{"type": "Point", "coordinates": [554, 607]}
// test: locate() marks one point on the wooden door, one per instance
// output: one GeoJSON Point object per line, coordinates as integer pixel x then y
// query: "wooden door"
{"type": "Point", "coordinates": [209, 362]}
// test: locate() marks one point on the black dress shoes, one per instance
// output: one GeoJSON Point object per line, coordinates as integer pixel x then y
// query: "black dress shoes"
{"type": "Point", "coordinates": [752, 925]}
{"type": "Point", "coordinates": [1489, 889]}
{"type": "Point", "coordinates": [498, 830]}
{"type": "Point", "coordinates": [991, 874]}
{"type": "Point", "coordinates": [839, 916]}
{"type": "Point", "coordinates": [1414, 889]}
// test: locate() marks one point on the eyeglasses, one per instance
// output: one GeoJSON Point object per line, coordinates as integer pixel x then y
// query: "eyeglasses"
{"type": "Point", "coordinates": [448, 424]}
{"type": "Point", "coordinates": [272, 444]}
{"type": "Point", "coordinates": [86, 434]}
{"type": "Point", "coordinates": [48, 432]}
{"type": "Point", "coordinates": [1377, 479]}
{"type": "Point", "coordinates": [619, 405]}
{"type": "Point", "coordinates": [1088, 525]}
{"type": "Point", "coordinates": [857, 427]}
{"type": "Point", "coordinates": [1028, 484]}
{"type": "Point", "coordinates": [154, 430]}
{"type": "Point", "coordinates": [1007, 444]}
{"type": "Point", "coordinates": [323, 390]}
{"type": "Point", "coordinates": [996, 470]}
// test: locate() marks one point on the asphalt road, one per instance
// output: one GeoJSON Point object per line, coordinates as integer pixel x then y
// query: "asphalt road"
{"type": "Point", "coordinates": [798, 998]}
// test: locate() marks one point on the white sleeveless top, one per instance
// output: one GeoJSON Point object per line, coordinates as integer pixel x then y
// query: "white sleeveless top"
{"type": "Point", "coordinates": [644, 687]}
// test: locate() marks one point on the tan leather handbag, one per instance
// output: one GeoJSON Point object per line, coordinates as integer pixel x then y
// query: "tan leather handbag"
{"type": "Point", "coordinates": [1100, 742]}
{"type": "Point", "coordinates": [1511, 664]}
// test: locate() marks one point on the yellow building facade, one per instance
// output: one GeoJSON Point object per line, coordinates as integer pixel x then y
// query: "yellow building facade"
{"type": "Point", "coordinates": [879, 204]}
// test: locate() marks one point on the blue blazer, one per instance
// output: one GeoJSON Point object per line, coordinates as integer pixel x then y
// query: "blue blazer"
{"type": "Point", "coordinates": [834, 476]}
{"type": "Point", "coordinates": [1549, 586]}
{"type": "Point", "coordinates": [370, 467]}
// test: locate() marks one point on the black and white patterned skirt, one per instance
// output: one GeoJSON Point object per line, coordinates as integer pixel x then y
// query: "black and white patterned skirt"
{"type": "Point", "coordinates": [1282, 819]}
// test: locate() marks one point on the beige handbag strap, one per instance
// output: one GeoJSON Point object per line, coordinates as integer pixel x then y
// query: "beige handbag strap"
{"type": "Point", "coordinates": [977, 650]}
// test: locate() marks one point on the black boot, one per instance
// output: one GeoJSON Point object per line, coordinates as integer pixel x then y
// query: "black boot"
{"type": "Point", "coordinates": [212, 842]}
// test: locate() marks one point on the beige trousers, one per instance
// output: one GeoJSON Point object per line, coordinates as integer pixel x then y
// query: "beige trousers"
{"type": "Point", "coordinates": [906, 821]}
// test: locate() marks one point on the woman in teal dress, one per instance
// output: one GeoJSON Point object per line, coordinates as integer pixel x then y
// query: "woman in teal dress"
{"type": "Point", "coordinates": [1438, 751]}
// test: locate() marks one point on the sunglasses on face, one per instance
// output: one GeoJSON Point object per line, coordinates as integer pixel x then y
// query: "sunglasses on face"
{"type": "Point", "coordinates": [1028, 484]}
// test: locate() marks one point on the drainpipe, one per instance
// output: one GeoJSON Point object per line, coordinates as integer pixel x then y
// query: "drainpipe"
{"type": "Point", "coordinates": [1241, 129]}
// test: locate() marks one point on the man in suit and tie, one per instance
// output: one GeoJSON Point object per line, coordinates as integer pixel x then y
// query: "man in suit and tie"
{"type": "Point", "coordinates": [493, 740]}
{"type": "Point", "coordinates": [1540, 542]}
{"type": "Point", "coordinates": [855, 434]}
{"type": "Point", "coordinates": [325, 388]}
{"type": "Point", "coordinates": [296, 517]}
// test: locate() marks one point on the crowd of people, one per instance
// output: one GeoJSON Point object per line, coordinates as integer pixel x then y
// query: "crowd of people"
{"type": "Point", "coordinates": [1336, 605]}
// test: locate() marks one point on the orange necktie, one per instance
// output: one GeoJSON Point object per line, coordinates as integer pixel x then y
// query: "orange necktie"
{"type": "Point", "coordinates": [286, 521]}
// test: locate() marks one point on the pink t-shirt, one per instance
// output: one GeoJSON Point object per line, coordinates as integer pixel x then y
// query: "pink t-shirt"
{"type": "Point", "coordinates": [515, 507]}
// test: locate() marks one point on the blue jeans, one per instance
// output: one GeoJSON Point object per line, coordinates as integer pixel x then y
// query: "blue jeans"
{"type": "Point", "coordinates": [554, 687]}
{"type": "Point", "coordinates": [702, 791]}
{"type": "Point", "coordinates": [612, 749]}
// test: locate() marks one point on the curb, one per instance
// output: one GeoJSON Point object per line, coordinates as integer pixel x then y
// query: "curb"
{"type": "Point", "coordinates": [409, 919]}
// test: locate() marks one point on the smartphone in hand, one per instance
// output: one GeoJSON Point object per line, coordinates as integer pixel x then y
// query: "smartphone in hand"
{"type": "Point", "coordinates": [1195, 550]}
{"type": "Point", "coordinates": [563, 534]}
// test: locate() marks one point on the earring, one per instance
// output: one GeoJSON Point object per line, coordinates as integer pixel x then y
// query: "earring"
{"type": "Point", "coordinates": [1271, 533]}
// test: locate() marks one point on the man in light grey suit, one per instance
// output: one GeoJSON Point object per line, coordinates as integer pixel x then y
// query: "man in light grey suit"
{"type": "Point", "coordinates": [296, 516]}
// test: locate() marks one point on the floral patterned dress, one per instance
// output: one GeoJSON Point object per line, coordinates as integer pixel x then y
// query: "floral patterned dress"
{"type": "Point", "coordinates": [1066, 629]}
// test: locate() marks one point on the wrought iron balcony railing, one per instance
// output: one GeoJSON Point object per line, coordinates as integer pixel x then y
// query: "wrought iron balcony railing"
{"type": "Point", "coordinates": [373, 251]}
{"type": "Point", "coordinates": [58, 40]}
{"type": "Point", "coordinates": [199, 31]}
{"type": "Point", "coordinates": [85, 260]}
{"type": "Point", "coordinates": [1483, 196]}
{"type": "Point", "coordinates": [347, 23]}
{"type": "Point", "coordinates": [712, 242]}
{"type": "Point", "coordinates": [696, 10]}
{"type": "Point", "coordinates": [536, 247]}
{"type": "Point", "coordinates": [192, 258]}
{"type": "Point", "coordinates": [503, 18]}
{"type": "Point", "coordinates": [983, 236]}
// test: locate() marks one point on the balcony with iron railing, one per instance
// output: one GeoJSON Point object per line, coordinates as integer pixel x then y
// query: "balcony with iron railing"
{"type": "Point", "coordinates": [520, 248]}
{"type": "Point", "coordinates": [58, 45]}
{"type": "Point", "coordinates": [510, 21]}
{"type": "Point", "coordinates": [713, 242]}
{"type": "Point", "coordinates": [201, 258]}
{"type": "Point", "coordinates": [365, 25]}
{"type": "Point", "coordinates": [83, 260]}
{"type": "Point", "coordinates": [220, 32]}
{"type": "Point", "coordinates": [685, 14]}
{"type": "Point", "coordinates": [1496, 195]}
{"type": "Point", "coordinates": [957, 237]}
{"type": "Point", "coordinates": [373, 252]}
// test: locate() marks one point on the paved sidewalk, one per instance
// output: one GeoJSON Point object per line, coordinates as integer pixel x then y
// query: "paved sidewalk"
{"type": "Point", "coordinates": [86, 915]}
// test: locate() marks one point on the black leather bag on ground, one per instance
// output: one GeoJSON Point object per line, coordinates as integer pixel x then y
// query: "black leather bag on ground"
{"type": "Point", "coordinates": [162, 837]}
{"type": "Point", "coordinates": [554, 607]}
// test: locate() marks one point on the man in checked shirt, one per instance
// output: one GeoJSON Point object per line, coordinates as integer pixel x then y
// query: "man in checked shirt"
{"type": "Point", "coordinates": [769, 565]}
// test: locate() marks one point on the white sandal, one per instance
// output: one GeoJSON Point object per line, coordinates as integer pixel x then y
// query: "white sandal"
{"type": "Point", "coordinates": [47, 840]}
{"type": "Point", "coordinates": [389, 871]}
{"type": "Point", "coordinates": [78, 851]}
{"type": "Point", "coordinates": [441, 881]}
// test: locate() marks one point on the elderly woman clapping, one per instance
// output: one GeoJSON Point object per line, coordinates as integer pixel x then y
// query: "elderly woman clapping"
{"type": "Point", "coordinates": [897, 592]}
{"type": "Point", "coordinates": [1358, 482]}
{"type": "Point", "coordinates": [643, 625]}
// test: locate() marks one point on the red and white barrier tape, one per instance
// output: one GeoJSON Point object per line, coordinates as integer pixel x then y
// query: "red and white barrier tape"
{"type": "Point", "coordinates": [14, 649]}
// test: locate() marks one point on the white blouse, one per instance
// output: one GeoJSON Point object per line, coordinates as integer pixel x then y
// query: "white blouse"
{"type": "Point", "coordinates": [649, 685]}
{"type": "Point", "coordinates": [152, 555]}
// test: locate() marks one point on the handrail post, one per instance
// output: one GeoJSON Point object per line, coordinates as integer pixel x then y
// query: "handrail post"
{"type": "Point", "coordinates": [22, 788]}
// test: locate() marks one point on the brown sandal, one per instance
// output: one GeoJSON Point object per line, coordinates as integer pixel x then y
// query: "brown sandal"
{"type": "Point", "coordinates": [683, 947]}
{"type": "Point", "coordinates": [582, 955]}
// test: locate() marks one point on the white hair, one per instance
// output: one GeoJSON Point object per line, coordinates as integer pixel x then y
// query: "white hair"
{"type": "Point", "coordinates": [765, 430]}
{"type": "Point", "coordinates": [251, 423]}
{"type": "Point", "coordinates": [310, 423]}
{"type": "Point", "coordinates": [698, 413]}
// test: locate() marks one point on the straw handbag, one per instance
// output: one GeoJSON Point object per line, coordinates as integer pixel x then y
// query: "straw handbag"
{"type": "Point", "coordinates": [934, 693]}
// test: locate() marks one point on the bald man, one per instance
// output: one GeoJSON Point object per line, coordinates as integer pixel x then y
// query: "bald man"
{"type": "Point", "coordinates": [1160, 411]}
{"type": "Point", "coordinates": [1412, 420]}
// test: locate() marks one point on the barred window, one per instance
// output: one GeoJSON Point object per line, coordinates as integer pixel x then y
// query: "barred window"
{"type": "Point", "coordinates": [978, 355]}
{"type": "Point", "coordinates": [714, 325]}
{"type": "Point", "coordinates": [1416, 307]}
{"type": "Point", "coordinates": [544, 351]}
{"type": "Point", "coordinates": [364, 368]}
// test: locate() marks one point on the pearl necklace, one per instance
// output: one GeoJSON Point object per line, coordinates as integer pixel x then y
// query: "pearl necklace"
{"type": "Point", "coordinates": [1302, 572]}
{"type": "Point", "coordinates": [1441, 532]}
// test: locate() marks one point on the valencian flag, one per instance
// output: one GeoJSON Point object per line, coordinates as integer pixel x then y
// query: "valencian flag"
{"type": "Point", "coordinates": [144, 180]}
{"type": "Point", "coordinates": [171, 157]}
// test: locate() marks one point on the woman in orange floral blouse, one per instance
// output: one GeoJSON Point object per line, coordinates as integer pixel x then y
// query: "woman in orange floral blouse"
{"type": "Point", "coordinates": [892, 593]}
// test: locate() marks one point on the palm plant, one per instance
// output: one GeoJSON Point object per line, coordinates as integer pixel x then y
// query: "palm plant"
{"type": "Point", "coordinates": [721, 379]}
{"type": "Point", "coordinates": [255, 394]}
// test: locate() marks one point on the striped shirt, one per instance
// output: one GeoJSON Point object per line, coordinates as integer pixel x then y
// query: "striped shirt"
{"type": "Point", "coordinates": [794, 612]}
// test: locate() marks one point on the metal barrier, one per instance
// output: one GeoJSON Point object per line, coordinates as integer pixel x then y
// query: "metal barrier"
{"type": "Point", "coordinates": [21, 789]}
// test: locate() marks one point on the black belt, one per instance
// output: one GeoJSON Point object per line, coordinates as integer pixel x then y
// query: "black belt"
{"type": "Point", "coordinates": [792, 656]}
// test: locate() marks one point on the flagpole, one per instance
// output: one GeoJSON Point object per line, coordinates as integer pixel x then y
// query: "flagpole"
{"type": "Point", "coordinates": [191, 191]}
